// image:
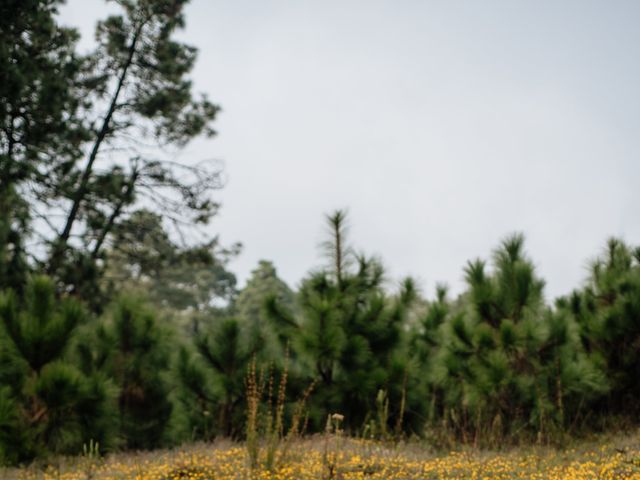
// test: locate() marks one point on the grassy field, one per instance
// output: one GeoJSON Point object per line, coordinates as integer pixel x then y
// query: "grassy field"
{"type": "Point", "coordinates": [605, 457]}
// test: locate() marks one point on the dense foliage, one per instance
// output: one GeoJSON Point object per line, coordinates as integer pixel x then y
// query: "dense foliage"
{"type": "Point", "coordinates": [495, 364]}
{"type": "Point", "coordinates": [48, 402]}
{"type": "Point", "coordinates": [113, 330]}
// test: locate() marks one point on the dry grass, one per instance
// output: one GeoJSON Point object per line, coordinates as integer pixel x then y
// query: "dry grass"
{"type": "Point", "coordinates": [605, 457]}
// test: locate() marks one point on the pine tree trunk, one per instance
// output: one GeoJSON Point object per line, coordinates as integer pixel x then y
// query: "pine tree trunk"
{"type": "Point", "coordinates": [61, 243]}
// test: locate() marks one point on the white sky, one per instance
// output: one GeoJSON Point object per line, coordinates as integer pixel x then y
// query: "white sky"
{"type": "Point", "coordinates": [441, 125]}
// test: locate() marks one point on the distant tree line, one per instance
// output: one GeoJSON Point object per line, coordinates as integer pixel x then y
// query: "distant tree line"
{"type": "Point", "coordinates": [121, 323]}
{"type": "Point", "coordinates": [496, 364]}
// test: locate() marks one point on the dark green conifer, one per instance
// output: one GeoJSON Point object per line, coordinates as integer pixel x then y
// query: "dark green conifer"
{"type": "Point", "coordinates": [132, 349]}
{"type": "Point", "coordinates": [213, 379]}
{"type": "Point", "coordinates": [55, 406]}
{"type": "Point", "coordinates": [508, 363]}
{"type": "Point", "coordinates": [608, 311]}
{"type": "Point", "coordinates": [347, 331]}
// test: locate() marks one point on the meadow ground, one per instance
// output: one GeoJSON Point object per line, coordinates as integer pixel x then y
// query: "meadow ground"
{"type": "Point", "coordinates": [604, 457]}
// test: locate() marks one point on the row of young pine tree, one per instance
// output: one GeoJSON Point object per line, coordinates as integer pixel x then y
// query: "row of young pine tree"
{"type": "Point", "coordinates": [495, 364]}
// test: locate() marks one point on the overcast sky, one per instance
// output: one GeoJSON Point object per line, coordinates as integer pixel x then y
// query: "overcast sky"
{"type": "Point", "coordinates": [441, 125]}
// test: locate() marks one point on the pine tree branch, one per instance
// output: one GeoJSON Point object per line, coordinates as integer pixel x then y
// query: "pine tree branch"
{"type": "Point", "coordinates": [115, 214]}
{"type": "Point", "coordinates": [80, 193]}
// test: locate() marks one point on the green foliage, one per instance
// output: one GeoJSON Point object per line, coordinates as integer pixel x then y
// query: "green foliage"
{"type": "Point", "coordinates": [265, 293]}
{"type": "Point", "coordinates": [347, 331]}
{"type": "Point", "coordinates": [40, 130]}
{"type": "Point", "coordinates": [13, 223]}
{"type": "Point", "coordinates": [132, 349]}
{"type": "Point", "coordinates": [139, 71]}
{"type": "Point", "coordinates": [213, 380]}
{"type": "Point", "coordinates": [607, 312]}
{"type": "Point", "coordinates": [12, 441]}
{"type": "Point", "coordinates": [494, 364]}
{"type": "Point", "coordinates": [60, 109]}
{"type": "Point", "coordinates": [62, 406]}
{"type": "Point", "coordinates": [186, 282]}
{"type": "Point", "coordinates": [502, 361]}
